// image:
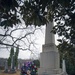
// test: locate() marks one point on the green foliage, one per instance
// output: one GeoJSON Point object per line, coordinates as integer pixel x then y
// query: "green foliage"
{"type": "Point", "coordinates": [7, 17]}
{"type": "Point", "coordinates": [67, 52]}
{"type": "Point", "coordinates": [36, 12]}
{"type": "Point", "coordinates": [39, 13]}
{"type": "Point", "coordinates": [9, 61]}
{"type": "Point", "coordinates": [11, 52]}
{"type": "Point", "coordinates": [70, 66]}
{"type": "Point", "coordinates": [37, 63]}
{"type": "Point", "coordinates": [16, 56]}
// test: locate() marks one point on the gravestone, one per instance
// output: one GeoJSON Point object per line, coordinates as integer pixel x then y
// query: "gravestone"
{"type": "Point", "coordinates": [64, 67]}
{"type": "Point", "coordinates": [12, 70]}
{"type": "Point", "coordinates": [18, 66]}
{"type": "Point", "coordinates": [6, 67]}
{"type": "Point", "coordinates": [49, 58]}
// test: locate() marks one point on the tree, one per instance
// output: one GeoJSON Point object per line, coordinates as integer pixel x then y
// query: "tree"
{"type": "Point", "coordinates": [9, 61]}
{"type": "Point", "coordinates": [37, 63]}
{"type": "Point", "coordinates": [12, 52]}
{"type": "Point", "coordinates": [67, 52]}
{"type": "Point", "coordinates": [16, 56]}
{"type": "Point", "coordinates": [10, 57]}
{"type": "Point", "coordinates": [18, 35]}
{"type": "Point", "coordinates": [39, 12]}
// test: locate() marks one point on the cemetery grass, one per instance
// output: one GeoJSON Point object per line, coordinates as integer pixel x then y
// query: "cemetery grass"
{"type": "Point", "coordinates": [17, 73]}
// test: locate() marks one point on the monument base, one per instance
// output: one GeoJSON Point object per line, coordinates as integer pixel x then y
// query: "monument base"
{"type": "Point", "coordinates": [49, 61]}
{"type": "Point", "coordinates": [12, 71]}
{"type": "Point", "coordinates": [49, 58]}
{"type": "Point", "coordinates": [48, 71]}
{"type": "Point", "coordinates": [6, 71]}
{"type": "Point", "coordinates": [49, 64]}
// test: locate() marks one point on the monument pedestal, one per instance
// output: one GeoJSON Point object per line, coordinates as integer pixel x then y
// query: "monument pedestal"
{"type": "Point", "coordinates": [47, 71]}
{"type": "Point", "coordinates": [49, 60]}
{"type": "Point", "coordinates": [12, 71]}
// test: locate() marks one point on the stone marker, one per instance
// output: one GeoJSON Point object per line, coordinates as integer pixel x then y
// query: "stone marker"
{"type": "Point", "coordinates": [64, 67]}
{"type": "Point", "coordinates": [18, 66]}
{"type": "Point", "coordinates": [6, 67]}
{"type": "Point", "coordinates": [49, 58]}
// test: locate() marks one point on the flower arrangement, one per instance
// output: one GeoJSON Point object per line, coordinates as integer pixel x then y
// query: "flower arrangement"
{"type": "Point", "coordinates": [29, 68]}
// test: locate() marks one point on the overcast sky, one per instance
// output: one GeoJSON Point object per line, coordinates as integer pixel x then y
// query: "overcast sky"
{"type": "Point", "coordinates": [40, 39]}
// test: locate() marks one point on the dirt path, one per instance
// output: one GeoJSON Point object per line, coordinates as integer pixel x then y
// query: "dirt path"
{"type": "Point", "coordinates": [17, 73]}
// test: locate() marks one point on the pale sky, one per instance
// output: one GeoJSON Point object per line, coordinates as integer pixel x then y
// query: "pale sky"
{"type": "Point", "coordinates": [40, 39]}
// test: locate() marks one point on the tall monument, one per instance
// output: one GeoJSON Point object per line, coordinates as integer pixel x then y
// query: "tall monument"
{"type": "Point", "coordinates": [49, 58]}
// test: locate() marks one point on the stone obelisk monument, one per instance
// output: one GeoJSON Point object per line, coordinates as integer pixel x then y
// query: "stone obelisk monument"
{"type": "Point", "coordinates": [49, 58]}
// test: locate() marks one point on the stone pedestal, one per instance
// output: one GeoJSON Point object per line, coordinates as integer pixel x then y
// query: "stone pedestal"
{"type": "Point", "coordinates": [6, 67]}
{"type": "Point", "coordinates": [49, 58]}
{"type": "Point", "coordinates": [49, 61]}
